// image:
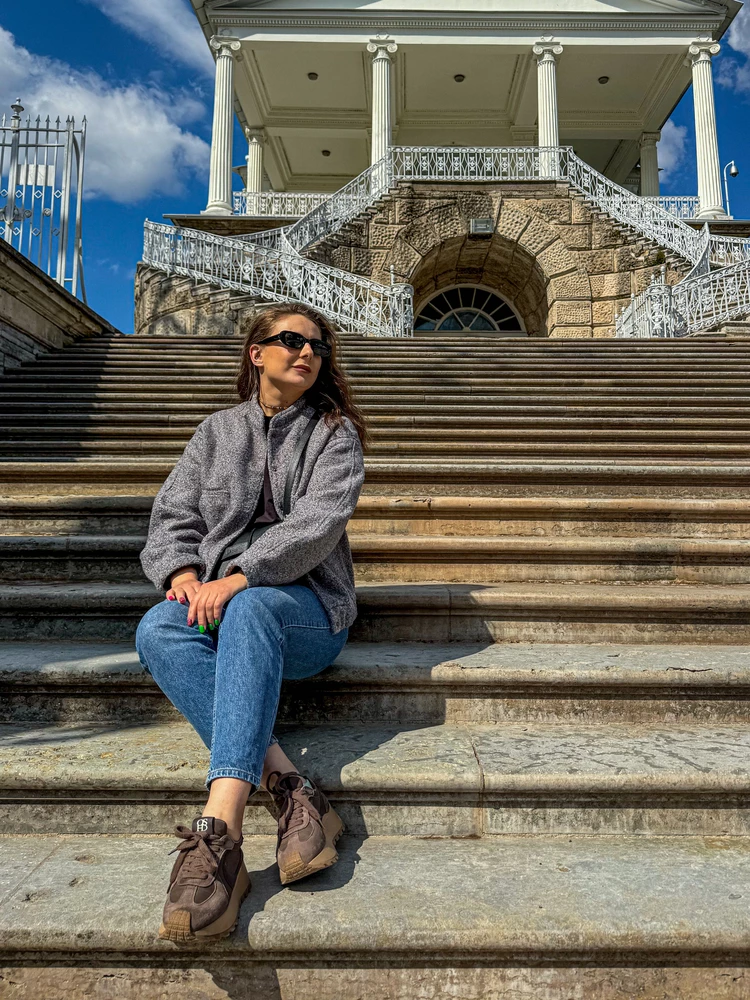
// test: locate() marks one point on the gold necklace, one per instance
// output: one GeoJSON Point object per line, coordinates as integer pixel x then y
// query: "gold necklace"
{"type": "Point", "coordinates": [270, 406]}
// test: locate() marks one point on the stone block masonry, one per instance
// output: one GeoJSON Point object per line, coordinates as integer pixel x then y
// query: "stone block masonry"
{"type": "Point", "coordinates": [566, 268]}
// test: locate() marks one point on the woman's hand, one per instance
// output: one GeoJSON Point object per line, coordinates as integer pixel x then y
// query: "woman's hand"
{"type": "Point", "coordinates": [185, 584]}
{"type": "Point", "coordinates": [209, 599]}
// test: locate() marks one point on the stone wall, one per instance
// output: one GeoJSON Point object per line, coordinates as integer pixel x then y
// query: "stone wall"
{"type": "Point", "coordinates": [174, 306]}
{"type": "Point", "coordinates": [36, 314]}
{"type": "Point", "coordinates": [565, 267]}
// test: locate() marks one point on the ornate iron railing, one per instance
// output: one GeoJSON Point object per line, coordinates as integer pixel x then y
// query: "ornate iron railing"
{"type": "Point", "coordinates": [356, 303]}
{"type": "Point", "coordinates": [284, 204]}
{"type": "Point", "coordinates": [683, 206]}
{"type": "Point", "coordinates": [41, 193]}
{"type": "Point", "coordinates": [703, 299]}
{"type": "Point", "coordinates": [272, 264]}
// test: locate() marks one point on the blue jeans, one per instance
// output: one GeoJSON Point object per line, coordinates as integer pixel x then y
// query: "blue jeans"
{"type": "Point", "coordinates": [227, 682]}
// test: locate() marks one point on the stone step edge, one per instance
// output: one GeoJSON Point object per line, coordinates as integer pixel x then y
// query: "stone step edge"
{"type": "Point", "coordinates": [403, 548]}
{"type": "Point", "coordinates": [587, 900]}
{"type": "Point", "coordinates": [94, 666]}
{"type": "Point", "coordinates": [431, 599]}
{"type": "Point", "coordinates": [422, 761]}
{"type": "Point", "coordinates": [613, 473]}
{"type": "Point", "coordinates": [426, 507]}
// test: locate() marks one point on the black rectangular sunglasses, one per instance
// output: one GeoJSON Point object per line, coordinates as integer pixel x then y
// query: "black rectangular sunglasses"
{"type": "Point", "coordinates": [294, 340]}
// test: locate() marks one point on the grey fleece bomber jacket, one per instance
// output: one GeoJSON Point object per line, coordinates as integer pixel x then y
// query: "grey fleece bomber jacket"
{"type": "Point", "coordinates": [209, 497]}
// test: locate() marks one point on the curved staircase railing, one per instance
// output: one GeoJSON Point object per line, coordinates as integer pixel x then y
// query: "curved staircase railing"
{"type": "Point", "coordinates": [355, 303]}
{"type": "Point", "coordinates": [273, 264]}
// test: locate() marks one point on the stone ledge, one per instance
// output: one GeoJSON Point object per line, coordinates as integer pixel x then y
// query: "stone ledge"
{"type": "Point", "coordinates": [578, 898]}
{"type": "Point", "coordinates": [38, 315]}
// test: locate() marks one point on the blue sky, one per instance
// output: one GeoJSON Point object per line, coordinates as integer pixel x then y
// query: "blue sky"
{"type": "Point", "coordinates": [141, 72]}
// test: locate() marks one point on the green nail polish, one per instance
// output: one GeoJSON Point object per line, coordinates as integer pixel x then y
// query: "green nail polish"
{"type": "Point", "coordinates": [210, 626]}
{"type": "Point", "coordinates": [216, 621]}
{"type": "Point", "coordinates": [201, 628]}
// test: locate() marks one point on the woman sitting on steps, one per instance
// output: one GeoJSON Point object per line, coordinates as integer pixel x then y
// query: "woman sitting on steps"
{"type": "Point", "coordinates": [239, 617]}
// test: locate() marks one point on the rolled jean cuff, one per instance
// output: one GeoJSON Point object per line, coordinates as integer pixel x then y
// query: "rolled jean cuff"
{"type": "Point", "coordinates": [232, 772]}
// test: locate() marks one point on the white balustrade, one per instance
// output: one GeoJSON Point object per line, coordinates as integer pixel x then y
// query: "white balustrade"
{"type": "Point", "coordinates": [682, 206]}
{"type": "Point", "coordinates": [282, 204]}
{"type": "Point", "coordinates": [272, 264]}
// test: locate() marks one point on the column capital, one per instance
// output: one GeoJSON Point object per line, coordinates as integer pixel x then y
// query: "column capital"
{"type": "Point", "coordinates": [547, 49]}
{"type": "Point", "coordinates": [650, 138]}
{"type": "Point", "coordinates": [255, 133]}
{"type": "Point", "coordinates": [382, 47]}
{"type": "Point", "coordinates": [701, 50]}
{"type": "Point", "coordinates": [225, 46]}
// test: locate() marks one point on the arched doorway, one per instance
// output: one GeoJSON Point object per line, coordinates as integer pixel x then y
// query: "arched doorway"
{"type": "Point", "coordinates": [469, 308]}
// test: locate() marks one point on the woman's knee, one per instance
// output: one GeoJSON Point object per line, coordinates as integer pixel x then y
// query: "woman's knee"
{"type": "Point", "coordinates": [155, 620]}
{"type": "Point", "coordinates": [258, 605]}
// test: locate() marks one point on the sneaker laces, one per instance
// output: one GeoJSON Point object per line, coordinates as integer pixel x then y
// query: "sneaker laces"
{"type": "Point", "coordinates": [198, 859]}
{"type": "Point", "coordinates": [292, 793]}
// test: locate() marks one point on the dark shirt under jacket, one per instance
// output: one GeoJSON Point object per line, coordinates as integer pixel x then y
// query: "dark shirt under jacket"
{"type": "Point", "coordinates": [265, 511]}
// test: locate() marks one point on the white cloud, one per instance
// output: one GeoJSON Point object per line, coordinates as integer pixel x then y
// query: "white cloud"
{"type": "Point", "coordinates": [169, 25]}
{"type": "Point", "coordinates": [738, 35]}
{"type": "Point", "coordinates": [137, 143]}
{"type": "Point", "coordinates": [671, 148]}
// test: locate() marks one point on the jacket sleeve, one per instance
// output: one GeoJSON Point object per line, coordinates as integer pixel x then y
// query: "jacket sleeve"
{"type": "Point", "coordinates": [176, 528]}
{"type": "Point", "coordinates": [316, 521]}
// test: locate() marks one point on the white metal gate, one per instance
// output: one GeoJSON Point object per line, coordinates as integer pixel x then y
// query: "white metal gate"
{"type": "Point", "coordinates": [41, 193]}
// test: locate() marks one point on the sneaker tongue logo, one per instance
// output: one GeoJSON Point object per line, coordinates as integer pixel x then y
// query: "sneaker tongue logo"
{"type": "Point", "coordinates": [201, 826]}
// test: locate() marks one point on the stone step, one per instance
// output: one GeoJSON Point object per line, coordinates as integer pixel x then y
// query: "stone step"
{"type": "Point", "coordinates": [539, 516]}
{"type": "Point", "coordinates": [71, 683]}
{"type": "Point", "coordinates": [613, 917]}
{"type": "Point", "coordinates": [429, 612]}
{"type": "Point", "coordinates": [700, 383]}
{"type": "Point", "coordinates": [62, 366]}
{"type": "Point", "coordinates": [142, 447]}
{"type": "Point", "coordinates": [645, 477]}
{"type": "Point", "coordinates": [475, 405]}
{"type": "Point", "coordinates": [386, 780]}
{"type": "Point", "coordinates": [378, 414]}
{"type": "Point", "coordinates": [413, 558]}
{"type": "Point", "coordinates": [384, 430]}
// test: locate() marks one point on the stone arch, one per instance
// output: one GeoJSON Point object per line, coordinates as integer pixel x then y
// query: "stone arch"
{"type": "Point", "coordinates": [524, 260]}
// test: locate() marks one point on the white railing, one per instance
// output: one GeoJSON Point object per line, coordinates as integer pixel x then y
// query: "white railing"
{"type": "Point", "coordinates": [356, 303]}
{"type": "Point", "coordinates": [272, 264]}
{"type": "Point", "coordinates": [41, 193]}
{"type": "Point", "coordinates": [284, 204]}
{"type": "Point", "coordinates": [709, 299]}
{"type": "Point", "coordinates": [703, 299]}
{"type": "Point", "coordinates": [683, 206]}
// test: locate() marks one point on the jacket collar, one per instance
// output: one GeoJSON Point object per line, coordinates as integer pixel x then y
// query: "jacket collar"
{"type": "Point", "coordinates": [282, 420]}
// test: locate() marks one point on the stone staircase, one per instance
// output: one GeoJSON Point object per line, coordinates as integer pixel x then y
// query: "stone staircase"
{"type": "Point", "coordinates": [537, 735]}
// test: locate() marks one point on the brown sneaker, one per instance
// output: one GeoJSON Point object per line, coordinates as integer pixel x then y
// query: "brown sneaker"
{"type": "Point", "coordinates": [207, 885]}
{"type": "Point", "coordinates": [308, 827]}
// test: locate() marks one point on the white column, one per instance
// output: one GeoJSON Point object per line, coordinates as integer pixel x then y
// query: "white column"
{"type": "Point", "coordinates": [546, 52]}
{"type": "Point", "coordinates": [706, 143]}
{"type": "Point", "coordinates": [649, 164]}
{"type": "Point", "coordinates": [382, 49]}
{"type": "Point", "coordinates": [220, 169]}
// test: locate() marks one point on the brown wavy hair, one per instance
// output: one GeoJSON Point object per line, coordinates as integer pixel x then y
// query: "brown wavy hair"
{"type": "Point", "coordinates": [331, 394]}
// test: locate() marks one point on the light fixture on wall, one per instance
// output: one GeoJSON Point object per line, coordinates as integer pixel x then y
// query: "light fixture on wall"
{"type": "Point", "coordinates": [326, 152]}
{"type": "Point", "coordinates": [459, 78]}
{"type": "Point", "coordinates": [312, 76]}
{"type": "Point", "coordinates": [603, 80]}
